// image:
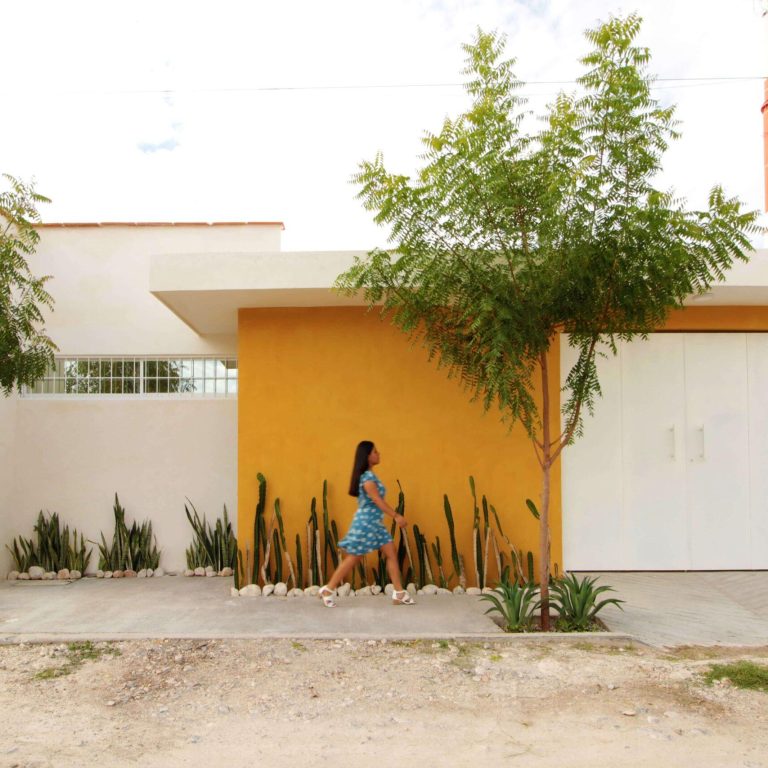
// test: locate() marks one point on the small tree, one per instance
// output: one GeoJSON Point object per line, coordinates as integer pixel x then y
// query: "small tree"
{"type": "Point", "coordinates": [25, 351]}
{"type": "Point", "coordinates": [505, 239]}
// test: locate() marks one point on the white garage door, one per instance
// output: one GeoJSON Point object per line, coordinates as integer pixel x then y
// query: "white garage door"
{"type": "Point", "coordinates": [672, 471]}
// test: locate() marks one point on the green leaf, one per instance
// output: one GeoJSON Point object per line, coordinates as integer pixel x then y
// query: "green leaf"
{"type": "Point", "coordinates": [532, 507]}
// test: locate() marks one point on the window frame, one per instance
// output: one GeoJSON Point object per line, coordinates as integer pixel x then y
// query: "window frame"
{"type": "Point", "coordinates": [89, 377]}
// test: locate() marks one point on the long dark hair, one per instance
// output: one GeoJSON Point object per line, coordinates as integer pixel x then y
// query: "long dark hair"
{"type": "Point", "coordinates": [362, 452]}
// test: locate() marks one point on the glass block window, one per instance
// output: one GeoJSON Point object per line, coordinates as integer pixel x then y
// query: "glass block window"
{"type": "Point", "coordinates": [139, 376]}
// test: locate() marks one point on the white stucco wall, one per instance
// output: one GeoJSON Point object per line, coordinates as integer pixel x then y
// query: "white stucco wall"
{"type": "Point", "coordinates": [71, 457]}
{"type": "Point", "coordinates": [7, 446]}
{"type": "Point", "coordinates": [101, 285]}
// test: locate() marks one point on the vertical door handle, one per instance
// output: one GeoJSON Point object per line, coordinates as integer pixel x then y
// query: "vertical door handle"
{"type": "Point", "coordinates": [702, 451]}
{"type": "Point", "coordinates": [672, 443]}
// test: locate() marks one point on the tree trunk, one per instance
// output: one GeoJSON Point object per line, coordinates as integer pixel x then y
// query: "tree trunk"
{"type": "Point", "coordinates": [544, 547]}
{"type": "Point", "coordinates": [546, 467]}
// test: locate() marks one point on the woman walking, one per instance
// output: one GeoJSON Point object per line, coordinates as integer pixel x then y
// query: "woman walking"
{"type": "Point", "coordinates": [367, 532]}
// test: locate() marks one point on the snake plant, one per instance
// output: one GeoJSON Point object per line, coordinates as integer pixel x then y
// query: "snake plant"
{"type": "Point", "coordinates": [132, 548]}
{"type": "Point", "coordinates": [212, 546]}
{"type": "Point", "coordinates": [51, 548]}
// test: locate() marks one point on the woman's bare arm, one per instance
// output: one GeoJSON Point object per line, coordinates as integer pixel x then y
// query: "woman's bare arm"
{"type": "Point", "coordinates": [373, 492]}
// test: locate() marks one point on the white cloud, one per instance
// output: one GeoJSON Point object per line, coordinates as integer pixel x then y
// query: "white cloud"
{"type": "Point", "coordinates": [196, 147]}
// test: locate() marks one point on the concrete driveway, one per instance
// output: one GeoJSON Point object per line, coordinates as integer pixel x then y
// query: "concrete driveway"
{"type": "Point", "coordinates": [661, 609]}
{"type": "Point", "coordinates": [696, 608]}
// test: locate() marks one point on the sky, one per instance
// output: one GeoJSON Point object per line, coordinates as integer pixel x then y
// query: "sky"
{"type": "Point", "coordinates": [262, 111]}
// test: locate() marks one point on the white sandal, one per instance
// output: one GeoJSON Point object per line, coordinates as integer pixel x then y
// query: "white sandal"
{"type": "Point", "coordinates": [402, 597]}
{"type": "Point", "coordinates": [326, 594]}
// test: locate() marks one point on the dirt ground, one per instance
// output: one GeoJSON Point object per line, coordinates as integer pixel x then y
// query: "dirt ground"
{"type": "Point", "coordinates": [321, 703]}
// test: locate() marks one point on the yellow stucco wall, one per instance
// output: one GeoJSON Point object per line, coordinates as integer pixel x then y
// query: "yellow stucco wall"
{"type": "Point", "coordinates": [718, 319]}
{"type": "Point", "coordinates": [314, 382]}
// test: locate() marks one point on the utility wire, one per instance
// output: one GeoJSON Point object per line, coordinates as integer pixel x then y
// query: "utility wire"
{"type": "Point", "coordinates": [374, 86]}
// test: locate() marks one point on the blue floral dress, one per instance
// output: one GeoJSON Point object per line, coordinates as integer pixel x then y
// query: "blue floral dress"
{"type": "Point", "coordinates": [367, 532]}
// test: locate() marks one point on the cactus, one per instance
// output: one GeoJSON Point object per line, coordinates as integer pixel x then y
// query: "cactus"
{"type": "Point", "coordinates": [239, 570]}
{"type": "Point", "coordinates": [503, 569]}
{"type": "Point", "coordinates": [312, 554]}
{"type": "Point", "coordinates": [380, 575]}
{"type": "Point", "coordinates": [319, 558]}
{"type": "Point", "coordinates": [462, 573]}
{"type": "Point", "coordinates": [403, 532]}
{"type": "Point", "coordinates": [439, 560]}
{"type": "Point", "coordinates": [487, 538]}
{"type": "Point", "coordinates": [334, 545]}
{"type": "Point", "coordinates": [420, 556]}
{"type": "Point", "coordinates": [265, 565]}
{"type": "Point", "coordinates": [258, 527]}
{"type": "Point", "coordinates": [328, 542]}
{"type": "Point", "coordinates": [264, 541]}
{"type": "Point", "coordinates": [496, 553]}
{"type": "Point", "coordinates": [516, 559]}
{"type": "Point", "coordinates": [517, 565]}
{"type": "Point", "coordinates": [284, 544]}
{"type": "Point", "coordinates": [475, 548]}
{"type": "Point", "coordinates": [278, 573]}
{"type": "Point", "coordinates": [531, 572]}
{"type": "Point", "coordinates": [422, 552]}
{"type": "Point", "coordinates": [477, 544]}
{"type": "Point", "coordinates": [454, 551]}
{"type": "Point", "coordinates": [299, 564]}
{"type": "Point", "coordinates": [430, 579]}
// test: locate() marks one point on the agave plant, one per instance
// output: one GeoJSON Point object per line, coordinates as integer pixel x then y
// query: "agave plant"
{"type": "Point", "coordinates": [516, 604]}
{"type": "Point", "coordinates": [576, 601]}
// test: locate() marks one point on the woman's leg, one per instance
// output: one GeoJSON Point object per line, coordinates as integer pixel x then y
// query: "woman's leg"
{"type": "Point", "coordinates": [345, 566]}
{"type": "Point", "coordinates": [393, 569]}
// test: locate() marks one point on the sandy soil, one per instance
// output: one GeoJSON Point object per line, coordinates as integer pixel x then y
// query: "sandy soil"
{"type": "Point", "coordinates": [321, 703]}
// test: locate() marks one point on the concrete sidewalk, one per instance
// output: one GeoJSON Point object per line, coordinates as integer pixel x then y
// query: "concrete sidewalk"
{"type": "Point", "coordinates": [661, 609]}
{"type": "Point", "coordinates": [174, 606]}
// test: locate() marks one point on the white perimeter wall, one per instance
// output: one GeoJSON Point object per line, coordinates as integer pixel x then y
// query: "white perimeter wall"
{"type": "Point", "coordinates": [71, 455]}
{"type": "Point", "coordinates": [7, 446]}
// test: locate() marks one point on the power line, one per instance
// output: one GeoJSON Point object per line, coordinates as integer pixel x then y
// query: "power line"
{"type": "Point", "coordinates": [366, 86]}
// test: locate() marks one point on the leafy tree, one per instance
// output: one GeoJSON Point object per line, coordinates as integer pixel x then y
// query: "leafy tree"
{"type": "Point", "coordinates": [508, 237]}
{"type": "Point", "coordinates": [25, 350]}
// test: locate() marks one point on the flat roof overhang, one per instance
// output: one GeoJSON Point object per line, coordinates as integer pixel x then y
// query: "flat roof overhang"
{"type": "Point", "coordinates": [206, 290]}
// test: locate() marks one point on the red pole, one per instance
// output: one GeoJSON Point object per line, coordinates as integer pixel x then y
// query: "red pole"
{"type": "Point", "coordinates": [764, 110]}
